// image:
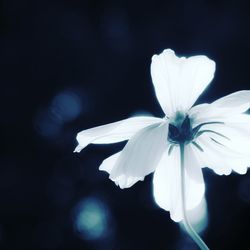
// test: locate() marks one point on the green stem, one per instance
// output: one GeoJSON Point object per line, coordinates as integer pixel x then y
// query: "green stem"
{"type": "Point", "coordinates": [186, 223]}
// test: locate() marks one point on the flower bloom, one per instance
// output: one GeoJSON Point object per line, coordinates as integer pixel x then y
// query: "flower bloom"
{"type": "Point", "coordinates": [215, 135]}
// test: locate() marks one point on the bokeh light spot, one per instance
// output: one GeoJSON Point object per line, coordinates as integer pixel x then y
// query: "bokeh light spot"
{"type": "Point", "coordinates": [91, 219]}
{"type": "Point", "coordinates": [66, 106]}
{"type": "Point", "coordinates": [46, 125]}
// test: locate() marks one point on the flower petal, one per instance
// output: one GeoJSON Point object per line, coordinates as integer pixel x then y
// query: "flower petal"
{"type": "Point", "coordinates": [114, 132]}
{"type": "Point", "coordinates": [139, 157]}
{"type": "Point", "coordinates": [222, 159]}
{"type": "Point", "coordinates": [167, 182]}
{"type": "Point", "coordinates": [237, 101]}
{"type": "Point", "coordinates": [122, 180]}
{"type": "Point", "coordinates": [178, 81]}
{"type": "Point", "coordinates": [221, 109]}
{"type": "Point", "coordinates": [109, 162]}
{"type": "Point", "coordinates": [233, 134]}
{"type": "Point", "coordinates": [204, 113]}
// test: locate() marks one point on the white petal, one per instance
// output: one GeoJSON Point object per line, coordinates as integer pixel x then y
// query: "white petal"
{"type": "Point", "coordinates": [108, 164]}
{"type": "Point", "coordinates": [221, 158]}
{"type": "Point", "coordinates": [167, 182]}
{"type": "Point", "coordinates": [204, 113]}
{"type": "Point", "coordinates": [236, 132]}
{"type": "Point", "coordinates": [178, 81]}
{"type": "Point", "coordinates": [113, 132]}
{"type": "Point", "coordinates": [139, 157]}
{"type": "Point", "coordinates": [122, 180]}
{"type": "Point", "coordinates": [238, 101]}
{"type": "Point", "coordinates": [222, 109]}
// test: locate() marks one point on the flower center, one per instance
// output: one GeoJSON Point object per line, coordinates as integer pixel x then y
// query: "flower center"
{"type": "Point", "coordinates": [180, 129]}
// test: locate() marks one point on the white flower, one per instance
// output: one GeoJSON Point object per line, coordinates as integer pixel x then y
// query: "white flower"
{"type": "Point", "coordinates": [215, 135]}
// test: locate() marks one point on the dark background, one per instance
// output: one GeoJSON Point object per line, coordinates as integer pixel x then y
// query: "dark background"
{"type": "Point", "coordinates": [69, 65]}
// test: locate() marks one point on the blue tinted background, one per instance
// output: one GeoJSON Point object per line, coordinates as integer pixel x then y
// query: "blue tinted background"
{"type": "Point", "coordinates": [71, 65]}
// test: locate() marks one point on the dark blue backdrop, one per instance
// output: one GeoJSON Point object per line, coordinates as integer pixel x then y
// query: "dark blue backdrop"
{"type": "Point", "coordinates": [69, 65]}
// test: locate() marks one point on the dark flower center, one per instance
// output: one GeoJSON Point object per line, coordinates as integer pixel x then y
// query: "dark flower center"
{"type": "Point", "coordinates": [180, 130]}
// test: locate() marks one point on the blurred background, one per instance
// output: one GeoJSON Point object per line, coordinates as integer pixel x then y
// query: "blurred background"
{"type": "Point", "coordinates": [69, 65]}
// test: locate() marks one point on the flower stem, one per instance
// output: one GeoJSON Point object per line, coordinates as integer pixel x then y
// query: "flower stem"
{"type": "Point", "coordinates": [186, 223]}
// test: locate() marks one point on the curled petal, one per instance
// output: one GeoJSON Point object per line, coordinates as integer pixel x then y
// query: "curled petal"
{"type": "Point", "coordinates": [114, 132]}
{"type": "Point", "coordinates": [139, 157]}
{"type": "Point", "coordinates": [122, 180]}
{"type": "Point", "coordinates": [167, 182]}
{"type": "Point", "coordinates": [178, 81]}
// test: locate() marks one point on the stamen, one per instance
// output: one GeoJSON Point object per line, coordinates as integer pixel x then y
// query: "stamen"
{"type": "Point", "coordinates": [211, 131]}
{"type": "Point", "coordinates": [197, 128]}
{"type": "Point", "coordinates": [180, 131]}
{"type": "Point", "coordinates": [170, 149]}
{"type": "Point", "coordinates": [198, 146]}
{"type": "Point", "coordinates": [217, 141]}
